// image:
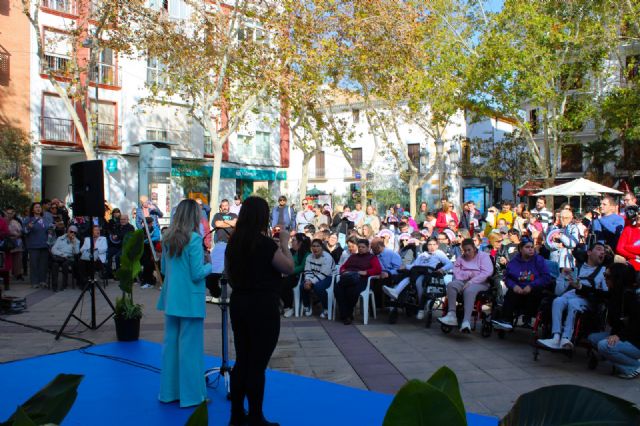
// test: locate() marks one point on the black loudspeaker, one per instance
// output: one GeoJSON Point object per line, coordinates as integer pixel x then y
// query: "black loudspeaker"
{"type": "Point", "coordinates": [87, 188]}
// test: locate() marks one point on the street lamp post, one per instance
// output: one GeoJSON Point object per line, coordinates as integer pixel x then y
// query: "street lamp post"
{"type": "Point", "coordinates": [453, 161]}
{"type": "Point", "coordinates": [440, 159]}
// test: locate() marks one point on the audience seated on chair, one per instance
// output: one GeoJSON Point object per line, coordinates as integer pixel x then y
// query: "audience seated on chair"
{"type": "Point", "coordinates": [99, 255]}
{"type": "Point", "coordinates": [621, 345]}
{"type": "Point", "coordinates": [430, 262]}
{"type": "Point", "coordinates": [317, 277]}
{"type": "Point", "coordinates": [353, 279]}
{"type": "Point", "coordinates": [526, 276]}
{"type": "Point", "coordinates": [64, 252]}
{"type": "Point", "coordinates": [471, 273]}
{"type": "Point", "coordinates": [576, 293]}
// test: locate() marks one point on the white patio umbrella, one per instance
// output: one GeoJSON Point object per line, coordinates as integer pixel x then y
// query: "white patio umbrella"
{"type": "Point", "coordinates": [578, 188]}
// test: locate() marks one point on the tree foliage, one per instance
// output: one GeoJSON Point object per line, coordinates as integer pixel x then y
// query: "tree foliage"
{"type": "Point", "coordinates": [15, 164]}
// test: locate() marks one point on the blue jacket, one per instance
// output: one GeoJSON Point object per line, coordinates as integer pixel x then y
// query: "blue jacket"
{"type": "Point", "coordinates": [608, 229]}
{"type": "Point", "coordinates": [390, 261]}
{"type": "Point", "coordinates": [533, 272]}
{"type": "Point", "coordinates": [289, 217]}
{"type": "Point", "coordinates": [153, 212]}
{"type": "Point", "coordinates": [183, 290]}
{"type": "Point", "coordinates": [37, 236]}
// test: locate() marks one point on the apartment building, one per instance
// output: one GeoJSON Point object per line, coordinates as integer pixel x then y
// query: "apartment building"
{"type": "Point", "coordinates": [151, 149]}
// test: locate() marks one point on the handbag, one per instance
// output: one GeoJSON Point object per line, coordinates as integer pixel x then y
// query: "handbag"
{"type": "Point", "coordinates": [7, 244]}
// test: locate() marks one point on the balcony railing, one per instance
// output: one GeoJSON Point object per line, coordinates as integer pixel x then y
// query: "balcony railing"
{"type": "Point", "coordinates": [57, 130]}
{"type": "Point", "coordinates": [56, 64]}
{"type": "Point", "coordinates": [106, 74]}
{"type": "Point", "coordinates": [64, 6]}
{"type": "Point", "coordinates": [61, 130]}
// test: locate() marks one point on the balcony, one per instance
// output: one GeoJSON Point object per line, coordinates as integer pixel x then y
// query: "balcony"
{"type": "Point", "coordinates": [61, 131]}
{"type": "Point", "coordinates": [105, 74]}
{"type": "Point", "coordinates": [68, 7]}
{"type": "Point", "coordinates": [55, 64]}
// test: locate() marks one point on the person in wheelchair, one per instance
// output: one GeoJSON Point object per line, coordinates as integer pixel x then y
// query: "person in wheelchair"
{"type": "Point", "coordinates": [577, 292]}
{"type": "Point", "coordinates": [526, 276]}
{"type": "Point", "coordinates": [431, 261]}
{"type": "Point", "coordinates": [621, 346]}
{"type": "Point", "coordinates": [471, 273]}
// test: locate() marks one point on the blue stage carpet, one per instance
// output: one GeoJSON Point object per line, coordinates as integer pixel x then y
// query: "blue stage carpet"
{"type": "Point", "coordinates": [124, 392]}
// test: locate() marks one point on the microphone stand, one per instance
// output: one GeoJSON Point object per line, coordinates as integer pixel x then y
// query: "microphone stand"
{"type": "Point", "coordinates": [224, 369]}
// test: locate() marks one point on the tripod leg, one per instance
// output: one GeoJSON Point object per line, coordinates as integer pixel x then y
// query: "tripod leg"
{"type": "Point", "coordinates": [64, 324]}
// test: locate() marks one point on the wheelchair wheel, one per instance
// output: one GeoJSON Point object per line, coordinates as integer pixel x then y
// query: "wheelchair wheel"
{"type": "Point", "coordinates": [393, 316]}
{"type": "Point", "coordinates": [429, 319]}
{"type": "Point", "coordinates": [486, 328]}
{"type": "Point", "coordinates": [446, 329]}
{"type": "Point", "coordinates": [536, 353]}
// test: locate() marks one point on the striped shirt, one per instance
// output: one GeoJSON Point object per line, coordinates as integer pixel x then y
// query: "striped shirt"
{"type": "Point", "coordinates": [318, 268]}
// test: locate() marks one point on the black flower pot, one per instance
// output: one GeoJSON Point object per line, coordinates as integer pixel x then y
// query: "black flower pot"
{"type": "Point", "coordinates": [127, 329]}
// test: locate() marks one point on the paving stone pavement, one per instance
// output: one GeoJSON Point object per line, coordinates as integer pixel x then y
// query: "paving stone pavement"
{"type": "Point", "coordinates": [492, 372]}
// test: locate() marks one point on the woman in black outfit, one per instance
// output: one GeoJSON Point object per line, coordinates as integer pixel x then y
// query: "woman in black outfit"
{"type": "Point", "coordinates": [254, 264]}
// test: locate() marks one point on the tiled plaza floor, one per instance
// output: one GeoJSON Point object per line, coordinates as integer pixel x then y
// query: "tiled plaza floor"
{"type": "Point", "coordinates": [492, 372]}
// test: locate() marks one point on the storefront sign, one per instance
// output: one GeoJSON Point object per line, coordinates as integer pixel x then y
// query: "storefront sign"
{"type": "Point", "coordinates": [230, 173]}
{"type": "Point", "coordinates": [112, 165]}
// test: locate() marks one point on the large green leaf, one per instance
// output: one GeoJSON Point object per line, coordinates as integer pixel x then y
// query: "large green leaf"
{"type": "Point", "coordinates": [446, 381]}
{"type": "Point", "coordinates": [22, 419]}
{"type": "Point", "coordinates": [50, 404]}
{"type": "Point", "coordinates": [200, 416]}
{"type": "Point", "coordinates": [130, 267]}
{"type": "Point", "coordinates": [570, 405]}
{"type": "Point", "coordinates": [419, 403]}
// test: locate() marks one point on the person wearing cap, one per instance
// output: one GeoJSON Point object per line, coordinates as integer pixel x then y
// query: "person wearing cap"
{"type": "Point", "coordinates": [64, 253]}
{"type": "Point", "coordinates": [577, 292]}
{"type": "Point", "coordinates": [283, 215]}
{"type": "Point", "coordinates": [526, 276]}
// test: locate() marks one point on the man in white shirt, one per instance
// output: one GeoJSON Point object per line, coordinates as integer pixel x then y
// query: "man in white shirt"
{"type": "Point", "coordinates": [304, 217]}
{"type": "Point", "coordinates": [63, 254]}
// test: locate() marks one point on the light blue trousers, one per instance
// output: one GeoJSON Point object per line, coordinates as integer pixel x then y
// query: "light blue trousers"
{"type": "Point", "coordinates": [182, 378]}
{"type": "Point", "coordinates": [573, 304]}
{"type": "Point", "coordinates": [623, 355]}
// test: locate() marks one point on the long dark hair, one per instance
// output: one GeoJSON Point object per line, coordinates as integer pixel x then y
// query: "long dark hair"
{"type": "Point", "coordinates": [253, 221]}
{"type": "Point", "coordinates": [305, 245]}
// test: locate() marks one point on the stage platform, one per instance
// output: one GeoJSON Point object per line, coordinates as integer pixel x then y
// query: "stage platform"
{"type": "Point", "coordinates": [122, 379]}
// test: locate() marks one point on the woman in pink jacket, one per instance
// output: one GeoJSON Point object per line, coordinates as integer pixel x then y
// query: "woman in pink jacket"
{"type": "Point", "coordinates": [471, 273]}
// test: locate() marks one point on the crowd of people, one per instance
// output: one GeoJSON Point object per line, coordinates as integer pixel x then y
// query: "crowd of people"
{"type": "Point", "coordinates": [534, 257]}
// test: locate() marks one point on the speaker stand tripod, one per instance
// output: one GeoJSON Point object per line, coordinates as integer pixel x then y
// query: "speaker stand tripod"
{"type": "Point", "coordinates": [224, 370]}
{"type": "Point", "coordinates": [91, 286]}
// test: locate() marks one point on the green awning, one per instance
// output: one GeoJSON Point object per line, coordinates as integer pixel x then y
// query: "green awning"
{"type": "Point", "coordinates": [229, 172]}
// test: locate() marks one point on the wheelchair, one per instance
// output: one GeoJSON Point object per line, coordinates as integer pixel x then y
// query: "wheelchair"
{"type": "Point", "coordinates": [484, 298]}
{"type": "Point", "coordinates": [433, 287]}
{"type": "Point", "coordinates": [586, 322]}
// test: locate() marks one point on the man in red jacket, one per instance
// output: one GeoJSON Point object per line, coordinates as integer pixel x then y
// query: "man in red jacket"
{"type": "Point", "coordinates": [629, 242]}
{"type": "Point", "coordinates": [353, 279]}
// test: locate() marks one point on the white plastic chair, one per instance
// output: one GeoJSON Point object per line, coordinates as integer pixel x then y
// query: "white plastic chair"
{"type": "Point", "coordinates": [365, 296]}
{"type": "Point", "coordinates": [331, 297]}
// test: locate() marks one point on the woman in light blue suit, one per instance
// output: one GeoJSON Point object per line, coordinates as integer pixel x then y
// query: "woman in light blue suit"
{"type": "Point", "coordinates": [183, 301]}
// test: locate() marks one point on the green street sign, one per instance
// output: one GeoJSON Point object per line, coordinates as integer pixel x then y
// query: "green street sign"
{"type": "Point", "coordinates": [112, 165]}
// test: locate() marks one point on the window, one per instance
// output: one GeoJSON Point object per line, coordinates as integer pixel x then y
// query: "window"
{"type": "Point", "coordinates": [355, 115]}
{"type": "Point", "coordinates": [571, 158]}
{"type": "Point", "coordinates": [159, 5]}
{"type": "Point", "coordinates": [107, 134]}
{"type": "Point", "coordinates": [320, 165]}
{"type": "Point", "coordinates": [64, 6]}
{"type": "Point", "coordinates": [414, 154]}
{"type": "Point", "coordinates": [105, 70]}
{"type": "Point", "coordinates": [57, 51]}
{"type": "Point", "coordinates": [156, 72]}
{"type": "Point", "coordinates": [356, 156]}
{"type": "Point", "coordinates": [533, 121]}
{"type": "Point", "coordinates": [256, 147]}
{"type": "Point", "coordinates": [157, 135]}
{"type": "Point", "coordinates": [253, 32]}
{"type": "Point", "coordinates": [56, 124]}
{"type": "Point", "coordinates": [4, 68]}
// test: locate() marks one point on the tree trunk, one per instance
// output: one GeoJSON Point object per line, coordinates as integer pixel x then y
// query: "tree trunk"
{"type": "Point", "coordinates": [363, 188]}
{"type": "Point", "coordinates": [305, 176]}
{"type": "Point", "coordinates": [215, 172]}
{"type": "Point", "coordinates": [413, 196]}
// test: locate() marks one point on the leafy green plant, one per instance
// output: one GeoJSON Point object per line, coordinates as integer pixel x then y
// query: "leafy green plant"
{"type": "Point", "coordinates": [132, 249]}
{"type": "Point", "coordinates": [437, 402]}
{"type": "Point", "coordinates": [200, 416]}
{"type": "Point", "coordinates": [50, 404]}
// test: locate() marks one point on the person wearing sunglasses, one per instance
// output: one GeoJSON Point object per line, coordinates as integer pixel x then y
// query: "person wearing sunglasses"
{"type": "Point", "coordinates": [64, 253]}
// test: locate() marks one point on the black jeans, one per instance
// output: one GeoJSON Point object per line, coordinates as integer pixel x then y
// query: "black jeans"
{"type": "Point", "coordinates": [524, 304]}
{"type": "Point", "coordinates": [347, 292]}
{"type": "Point", "coordinates": [147, 266]}
{"type": "Point", "coordinates": [65, 265]}
{"type": "Point", "coordinates": [255, 321]}
{"type": "Point", "coordinates": [286, 292]}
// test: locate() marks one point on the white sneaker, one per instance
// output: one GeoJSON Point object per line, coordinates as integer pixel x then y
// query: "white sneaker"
{"type": "Point", "coordinates": [420, 314]}
{"type": "Point", "coordinates": [207, 299]}
{"type": "Point", "coordinates": [324, 314]}
{"type": "Point", "coordinates": [449, 319]}
{"type": "Point", "coordinates": [501, 325]}
{"type": "Point", "coordinates": [146, 286]}
{"type": "Point", "coordinates": [465, 327]}
{"type": "Point", "coordinates": [566, 343]}
{"type": "Point", "coordinates": [288, 312]}
{"type": "Point", "coordinates": [389, 291]}
{"type": "Point", "coordinates": [308, 312]}
{"type": "Point", "coordinates": [553, 343]}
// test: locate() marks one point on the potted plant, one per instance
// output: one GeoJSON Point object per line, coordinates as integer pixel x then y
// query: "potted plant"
{"type": "Point", "coordinates": [128, 313]}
